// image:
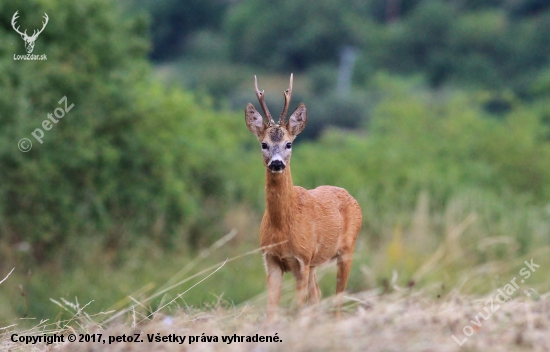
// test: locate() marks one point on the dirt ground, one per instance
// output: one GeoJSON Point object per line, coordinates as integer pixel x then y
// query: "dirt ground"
{"type": "Point", "coordinates": [372, 322]}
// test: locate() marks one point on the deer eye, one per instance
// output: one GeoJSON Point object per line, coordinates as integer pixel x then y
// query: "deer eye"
{"type": "Point", "coordinates": [264, 146]}
{"type": "Point", "coordinates": [288, 145]}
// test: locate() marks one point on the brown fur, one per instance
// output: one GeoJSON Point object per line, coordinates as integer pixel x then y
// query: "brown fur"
{"type": "Point", "coordinates": [276, 135]}
{"type": "Point", "coordinates": [314, 226]}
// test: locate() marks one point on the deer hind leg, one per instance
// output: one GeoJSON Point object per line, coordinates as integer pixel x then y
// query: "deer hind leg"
{"type": "Point", "coordinates": [274, 284]}
{"type": "Point", "coordinates": [344, 267]}
{"type": "Point", "coordinates": [314, 294]}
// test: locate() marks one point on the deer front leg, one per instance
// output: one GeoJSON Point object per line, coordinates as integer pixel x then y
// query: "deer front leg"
{"type": "Point", "coordinates": [274, 283]}
{"type": "Point", "coordinates": [301, 273]}
{"type": "Point", "coordinates": [314, 293]}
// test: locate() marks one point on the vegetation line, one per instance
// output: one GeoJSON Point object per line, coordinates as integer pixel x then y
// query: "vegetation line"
{"type": "Point", "coordinates": [204, 254]}
{"type": "Point", "coordinates": [184, 292]}
{"type": "Point", "coordinates": [192, 277]}
{"type": "Point", "coordinates": [79, 310]}
{"type": "Point", "coordinates": [4, 279]}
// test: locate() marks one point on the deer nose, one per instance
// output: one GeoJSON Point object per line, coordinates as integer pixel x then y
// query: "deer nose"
{"type": "Point", "coordinates": [276, 165]}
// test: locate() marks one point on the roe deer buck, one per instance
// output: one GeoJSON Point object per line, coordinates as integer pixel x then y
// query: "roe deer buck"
{"type": "Point", "coordinates": [300, 229]}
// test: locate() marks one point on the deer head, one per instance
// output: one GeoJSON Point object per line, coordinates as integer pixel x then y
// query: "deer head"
{"type": "Point", "coordinates": [275, 139]}
{"type": "Point", "coordinates": [29, 41]}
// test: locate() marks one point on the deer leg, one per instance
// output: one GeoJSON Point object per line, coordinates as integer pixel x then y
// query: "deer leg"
{"type": "Point", "coordinates": [274, 284]}
{"type": "Point", "coordinates": [301, 273]}
{"type": "Point", "coordinates": [344, 267]}
{"type": "Point", "coordinates": [314, 294]}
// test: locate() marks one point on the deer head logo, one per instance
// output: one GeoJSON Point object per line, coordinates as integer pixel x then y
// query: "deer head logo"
{"type": "Point", "coordinates": [29, 41]}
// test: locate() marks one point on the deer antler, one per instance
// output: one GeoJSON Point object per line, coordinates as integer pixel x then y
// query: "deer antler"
{"type": "Point", "coordinates": [43, 26]}
{"type": "Point", "coordinates": [288, 95]}
{"type": "Point", "coordinates": [261, 99]}
{"type": "Point", "coordinates": [13, 23]}
{"type": "Point", "coordinates": [34, 34]}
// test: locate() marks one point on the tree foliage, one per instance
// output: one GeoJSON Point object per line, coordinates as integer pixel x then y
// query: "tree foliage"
{"type": "Point", "coordinates": [129, 157]}
{"type": "Point", "coordinates": [173, 22]}
{"type": "Point", "coordinates": [418, 141]}
{"type": "Point", "coordinates": [489, 47]}
{"type": "Point", "coordinates": [290, 34]}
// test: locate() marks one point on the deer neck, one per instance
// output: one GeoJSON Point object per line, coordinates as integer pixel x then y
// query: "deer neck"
{"type": "Point", "coordinates": [281, 197]}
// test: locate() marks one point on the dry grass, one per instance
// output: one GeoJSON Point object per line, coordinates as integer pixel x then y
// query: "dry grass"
{"type": "Point", "coordinates": [373, 322]}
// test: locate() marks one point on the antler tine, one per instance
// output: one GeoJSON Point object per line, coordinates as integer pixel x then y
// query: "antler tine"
{"type": "Point", "coordinates": [288, 95]}
{"type": "Point", "coordinates": [14, 22]}
{"type": "Point", "coordinates": [43, 26]}
{"type": "Point", "coordinates": [261, 99]}
{"type": "Point", "coordinates": [45, 23]}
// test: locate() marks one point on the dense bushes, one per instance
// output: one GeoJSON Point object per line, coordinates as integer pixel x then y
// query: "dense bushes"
{"type": "Point", "coordinates": [130, 158]}
{"type": "Point", "coordinates": [439, 143]}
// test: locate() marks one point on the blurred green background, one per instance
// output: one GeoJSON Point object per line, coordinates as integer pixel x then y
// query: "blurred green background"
{"type": "Point", "coordinates": [433, 114]}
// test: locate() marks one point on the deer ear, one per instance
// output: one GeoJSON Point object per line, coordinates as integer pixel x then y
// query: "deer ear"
{"type": "Point", "coordinates": [254, 120]}
{"type": "Point", "coordinates": [297, 121]}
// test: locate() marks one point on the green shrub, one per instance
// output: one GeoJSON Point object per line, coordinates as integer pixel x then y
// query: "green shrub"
{"type": "Point", "coordinates": [130, 158]}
